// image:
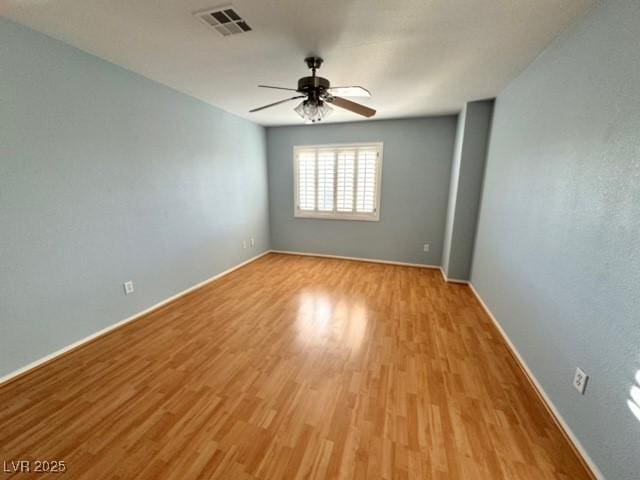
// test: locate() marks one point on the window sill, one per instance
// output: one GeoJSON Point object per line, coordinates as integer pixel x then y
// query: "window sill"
{"type": "Point", "coordinates": [333, 216]}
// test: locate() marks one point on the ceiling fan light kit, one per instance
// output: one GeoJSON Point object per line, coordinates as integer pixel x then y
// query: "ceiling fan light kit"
{"type": "Point", "coordinates": [318, 94]}
{"type": "Point", "coordinates": [313, 112]}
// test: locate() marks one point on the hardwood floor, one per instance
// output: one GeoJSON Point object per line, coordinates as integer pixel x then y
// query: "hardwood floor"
{"type": "Point", "coordinates": [292, 367]}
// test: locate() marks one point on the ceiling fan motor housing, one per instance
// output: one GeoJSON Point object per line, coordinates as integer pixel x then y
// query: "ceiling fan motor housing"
{"type": "Point", "coordinates": [313, 86]}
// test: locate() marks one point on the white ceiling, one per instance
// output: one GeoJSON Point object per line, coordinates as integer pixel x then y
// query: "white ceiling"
{"type": "Point", "coordinates": [418, 57]}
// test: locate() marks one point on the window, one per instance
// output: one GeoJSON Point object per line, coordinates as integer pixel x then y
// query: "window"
{"type": "Point", "coordinates": [338, 181]}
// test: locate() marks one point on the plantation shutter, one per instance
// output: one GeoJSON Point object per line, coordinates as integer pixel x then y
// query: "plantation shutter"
{"type": "Point", "coordinates": [345, 180]}
{"type": "Point", "coordinates": [366, 181]}
{"type": "Point", "coordinates": [338, 182]}
{"type": "Point", "coordinates": [326, 180]}
{"type": "Point", "coordinates": [307, 181]}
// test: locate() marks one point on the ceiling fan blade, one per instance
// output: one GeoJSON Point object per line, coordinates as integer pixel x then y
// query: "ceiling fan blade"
{"type": "Point", "coordinates": [278, 88]}
{"type": "Point", "coordinates": [351, 106]}
{"type": "Point", "coordinates": [277, 103]}
{"type": "Point", "coordinates": [354, 91]}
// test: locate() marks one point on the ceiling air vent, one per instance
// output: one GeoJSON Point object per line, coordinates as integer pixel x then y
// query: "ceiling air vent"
{"type": "Point", "coordinates": [226, 20]}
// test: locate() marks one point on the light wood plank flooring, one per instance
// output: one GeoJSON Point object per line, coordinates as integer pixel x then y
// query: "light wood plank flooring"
{"type": "Point", "coordinates": [293, 367]}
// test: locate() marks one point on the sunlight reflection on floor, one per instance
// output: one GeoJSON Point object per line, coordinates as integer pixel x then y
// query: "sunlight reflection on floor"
{"type": "Point", "coordinates": [324, 322]}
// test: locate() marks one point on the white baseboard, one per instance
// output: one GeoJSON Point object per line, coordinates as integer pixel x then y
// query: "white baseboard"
{"type": "Point", "coordinates": [358, 259]}
{"type": "Point", "coordinates": [452, 280]}
{"type": "Point", "coordinates": [549, 404]}
{"type": "Point", "coordinates": [99, 333]}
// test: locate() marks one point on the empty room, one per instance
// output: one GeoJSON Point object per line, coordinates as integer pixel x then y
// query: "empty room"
{"type": "Point", "coordinates": [285, 239]}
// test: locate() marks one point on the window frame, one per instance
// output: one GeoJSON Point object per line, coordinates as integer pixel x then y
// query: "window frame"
{"type": "Point", "coordinates": [335, 215]}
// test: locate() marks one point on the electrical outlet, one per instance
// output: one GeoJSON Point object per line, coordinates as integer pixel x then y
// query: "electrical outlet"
{"type": "Point", "coordinates": [252, 242]}
{"type": "Point", "coordinates": [128, 287]}
{"type": "Point", "coordinates": [580, 381]}
{"type": "Point", "coordinates": [426, 247]}
{"type": "Point", "coordinates": [244, 244]}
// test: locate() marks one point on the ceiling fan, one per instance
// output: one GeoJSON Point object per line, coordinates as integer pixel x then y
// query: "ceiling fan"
{"type": "Point", "coordinates": [318, 94]}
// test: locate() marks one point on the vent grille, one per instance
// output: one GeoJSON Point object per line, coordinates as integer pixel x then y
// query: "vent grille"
{"type": "Point", "coordinates": [226, 20]}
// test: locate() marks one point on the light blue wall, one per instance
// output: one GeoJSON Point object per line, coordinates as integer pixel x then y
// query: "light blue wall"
{"type": "Point", "coordinates": [557, 254]}
{"type": "Point", "coordinates": [106, 176]}
{"type": "Point", "coordinates": [415, 186]}
{"type": "Point", "coordinates": [467, 172]}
